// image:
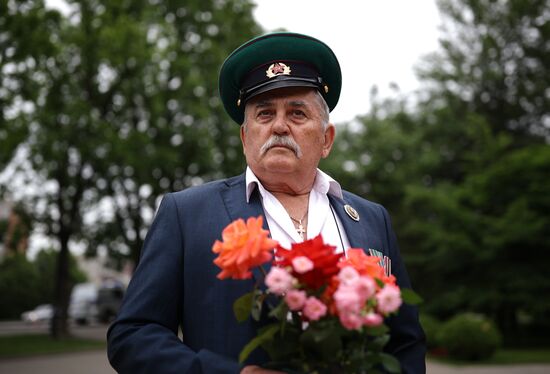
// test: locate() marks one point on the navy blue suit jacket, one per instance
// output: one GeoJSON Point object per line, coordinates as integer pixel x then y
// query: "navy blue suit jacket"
{"type": "Point", "coordinates": [175, 285]}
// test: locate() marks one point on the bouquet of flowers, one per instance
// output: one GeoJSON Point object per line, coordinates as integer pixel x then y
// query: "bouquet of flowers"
{"type": "Point", "coordinates": [327, 310]}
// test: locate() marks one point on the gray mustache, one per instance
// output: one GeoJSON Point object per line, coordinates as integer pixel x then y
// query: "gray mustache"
{"type": "Point", "coordinates": [284, 141]}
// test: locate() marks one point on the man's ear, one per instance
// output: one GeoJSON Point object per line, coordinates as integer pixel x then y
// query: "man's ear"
{"type": "Point", "coordinates": [330, 133]}
{"type": "Point", "coordinates": [243, 137]}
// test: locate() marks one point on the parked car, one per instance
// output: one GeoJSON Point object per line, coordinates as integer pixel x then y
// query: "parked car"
{"type": "Point", "coordinates": [109, 298]}
{"type": "Point", "coordinates": [83, 304]}
{"type": "Point", "coordinates": [90, 302]}
{"type": "Point", "coordinates": [42, 313]}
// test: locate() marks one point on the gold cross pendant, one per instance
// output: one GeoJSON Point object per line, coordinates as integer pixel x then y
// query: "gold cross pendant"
{"type": "Point", "coordinates": [301, 231]}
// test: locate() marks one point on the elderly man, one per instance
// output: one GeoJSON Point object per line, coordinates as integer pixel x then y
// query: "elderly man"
{"type": "Point", "coordinates": [281, 88]}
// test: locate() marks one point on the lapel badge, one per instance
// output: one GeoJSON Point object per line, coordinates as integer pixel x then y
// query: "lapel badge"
{"type": "Point", "coordinates": [351, 212]}
{"type": "Point", "coordinates": [276, 69]}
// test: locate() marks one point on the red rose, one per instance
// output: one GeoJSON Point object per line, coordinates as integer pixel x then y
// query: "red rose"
{"type": "Point", "coordinates": [322, 255]}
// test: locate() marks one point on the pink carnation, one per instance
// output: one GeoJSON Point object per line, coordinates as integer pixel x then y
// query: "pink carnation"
{"type": "Point", "coordinates": [388, 299]}
{"type": "Point", "coordinates": [278, 280]}
{"type": "Point", "coordinates": [295, 299]}
{"type": "Point", "coordinates": [372, 319]}
{"type": "Point", "coordinates": [314, 309]}
{"type": "Point", "coordinates": [302, 264]}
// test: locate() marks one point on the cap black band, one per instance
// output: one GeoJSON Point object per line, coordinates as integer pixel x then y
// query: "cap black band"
{"type": "Point", "coordinates": [278, 74]}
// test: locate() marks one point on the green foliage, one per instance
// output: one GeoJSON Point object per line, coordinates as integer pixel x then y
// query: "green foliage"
{"type": "Point", "coordinates": [45, 264]}
{"type": "Point", "coordinates": [112, 106]}
{"type": "Point", "coordinates": [494, 61]}
{"type": "Point", "coordinates": [242, 306]}
{"type": "Point", "coordinates": [32, 345]}
{"type": "Point", "coordinates": [19, 287]}
{"type": "Point", "coordinates": [264, 335]}
{"type": "Point", "coordinates": [25, 284]}
{"type": "Point", "coordinates": [464, 170]}
{"type": "Point", "coordinates": [410, 297]}
{"type": "Point", "coordinates": [469, 337]}
{"type": "Point", "coordinates": [3, 229]}
{"type": "Point", "coordinates": [431, 326]}
{"type": "Point", "coordinates": [324, 346]}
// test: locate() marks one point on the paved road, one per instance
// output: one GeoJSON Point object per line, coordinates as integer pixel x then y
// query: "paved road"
{"type": "Point", "coordinates": [92, 331]}
{"type": "Point", "coordinates": [436, 368]}
{"type": "Point", "coordinates": [96, 363]}
{"type": "Point", "coordinates": [75, 363]}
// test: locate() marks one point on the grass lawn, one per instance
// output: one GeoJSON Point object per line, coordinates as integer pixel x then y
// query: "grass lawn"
{"type": "Point", "coordinates": [33, 344]}
{"type": "Point", "coordinates": [506, 357]}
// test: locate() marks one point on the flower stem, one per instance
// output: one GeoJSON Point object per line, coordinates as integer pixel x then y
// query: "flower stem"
{"type": "Point", "coordinates": [263, 271]}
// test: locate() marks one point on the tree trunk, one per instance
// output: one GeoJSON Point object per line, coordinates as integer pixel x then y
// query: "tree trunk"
{"type": "Point", "coordinates": [59, 326]}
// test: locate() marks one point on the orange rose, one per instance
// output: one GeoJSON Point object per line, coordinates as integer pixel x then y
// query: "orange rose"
{"type": "Point", "coordinates": [365, 265]}
{"type": "Point", "coordinates": [244, 246]}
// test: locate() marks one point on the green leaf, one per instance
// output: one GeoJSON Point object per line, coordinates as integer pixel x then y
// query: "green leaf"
{"type": "Point", "coordinates": [377, 330]}
{"type": "Point", "coordinates": [410, 297]}
{"type": "Point", "coordinates": [378, 343]}
{"type": "Point", "coordinates": [257, 303]}
{"type": "Point", "coordinates": [390, 363]}
{"type": "Point", "coordinates": [322, 340]}
{"type": "Point", "coordinates": [242, 306]}
{"type": "Point", "coordinates": [280, 311]}
{"type": "Point", "coordinates": [267, 334]}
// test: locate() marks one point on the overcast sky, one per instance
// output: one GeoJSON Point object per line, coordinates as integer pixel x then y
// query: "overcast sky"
{"type": "Point", "coordinates": [376, 41]}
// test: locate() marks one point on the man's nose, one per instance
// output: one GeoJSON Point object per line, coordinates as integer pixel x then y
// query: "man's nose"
{"type": "Point", "coordinates": [280, 125]}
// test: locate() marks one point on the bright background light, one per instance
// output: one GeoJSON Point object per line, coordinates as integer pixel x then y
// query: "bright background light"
{"type": "Point", "coordinates": [377, 42]}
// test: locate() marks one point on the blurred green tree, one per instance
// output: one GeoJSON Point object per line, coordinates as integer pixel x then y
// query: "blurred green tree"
{"type": "Point", "coordinates": [464, 169]}
{"type": "Point", "coordinates": [25, 284]}
{"type": "Point", "coordinates": [18, 286]}
{"type": "Point", "coordinates": [110, 106]}
{"type": "Point", "coordinates": [494, 61]}
{"type": "Point", "coordinates": [45, 264]}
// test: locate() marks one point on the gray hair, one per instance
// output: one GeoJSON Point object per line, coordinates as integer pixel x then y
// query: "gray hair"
{"type": "Point", "coordinates": [324, 112]}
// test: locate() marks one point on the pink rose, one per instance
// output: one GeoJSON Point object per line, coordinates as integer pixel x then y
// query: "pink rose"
{"type": "Point", "coordinates": [295, 299]}
{"type": "Point", "coordinates": [351, 321]}
{"type": "Point", "coordinates": [314, 309]}
{"type": "Point", "coordinates": [278, 280]}
{"type": "Point", "coordinates": [365, 287]}
{"type": "Point", "coordinates": [347, 300]}
{"type": "Point", "coordinates": [388, 299]}
{"type": "Point", "coordinates": [302, 264]}
{"type": "Point", "coordinates": [372, 319]}
{"type": "Point", "coordinates": [348, 275]}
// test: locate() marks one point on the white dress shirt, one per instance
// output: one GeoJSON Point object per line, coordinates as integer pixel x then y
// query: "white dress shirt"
{"type": "Point", "coordinates": [321, 217]}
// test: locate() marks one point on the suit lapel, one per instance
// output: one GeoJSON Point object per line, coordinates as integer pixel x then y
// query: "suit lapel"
{"type": "Point", "coordinates": [234, 197]}
{"type": "Point", "coordinates": [355, 230]}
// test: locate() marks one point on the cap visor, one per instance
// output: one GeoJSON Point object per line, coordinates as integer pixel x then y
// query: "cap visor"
{"type": "Point", "coordinates": [280, 84]}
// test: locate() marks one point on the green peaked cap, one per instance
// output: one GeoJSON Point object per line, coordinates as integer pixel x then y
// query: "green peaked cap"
{"type": "Point", "coordinates": [274, 61]}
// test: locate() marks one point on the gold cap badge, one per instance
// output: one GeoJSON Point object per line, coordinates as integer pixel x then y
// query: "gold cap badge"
{"type": "Point", "coordinates": [351, 212]}
{"type": "Point", "coordinates": [276, 69]}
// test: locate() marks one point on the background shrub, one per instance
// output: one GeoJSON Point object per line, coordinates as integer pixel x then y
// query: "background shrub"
{"type": "Point", "coordinates": [469, 337]}
{"type": "Point", "coordinates": [431, 326]}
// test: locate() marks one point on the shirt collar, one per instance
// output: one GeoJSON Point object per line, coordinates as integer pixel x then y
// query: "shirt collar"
{"type": "Point", "coordinates": [324, 184]}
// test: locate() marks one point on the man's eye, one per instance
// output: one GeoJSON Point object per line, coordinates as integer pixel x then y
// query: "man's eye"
{"type": "Point", "coordinates": [264, 113]}
{"type": "Point", "coordinates": [298, 113]}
